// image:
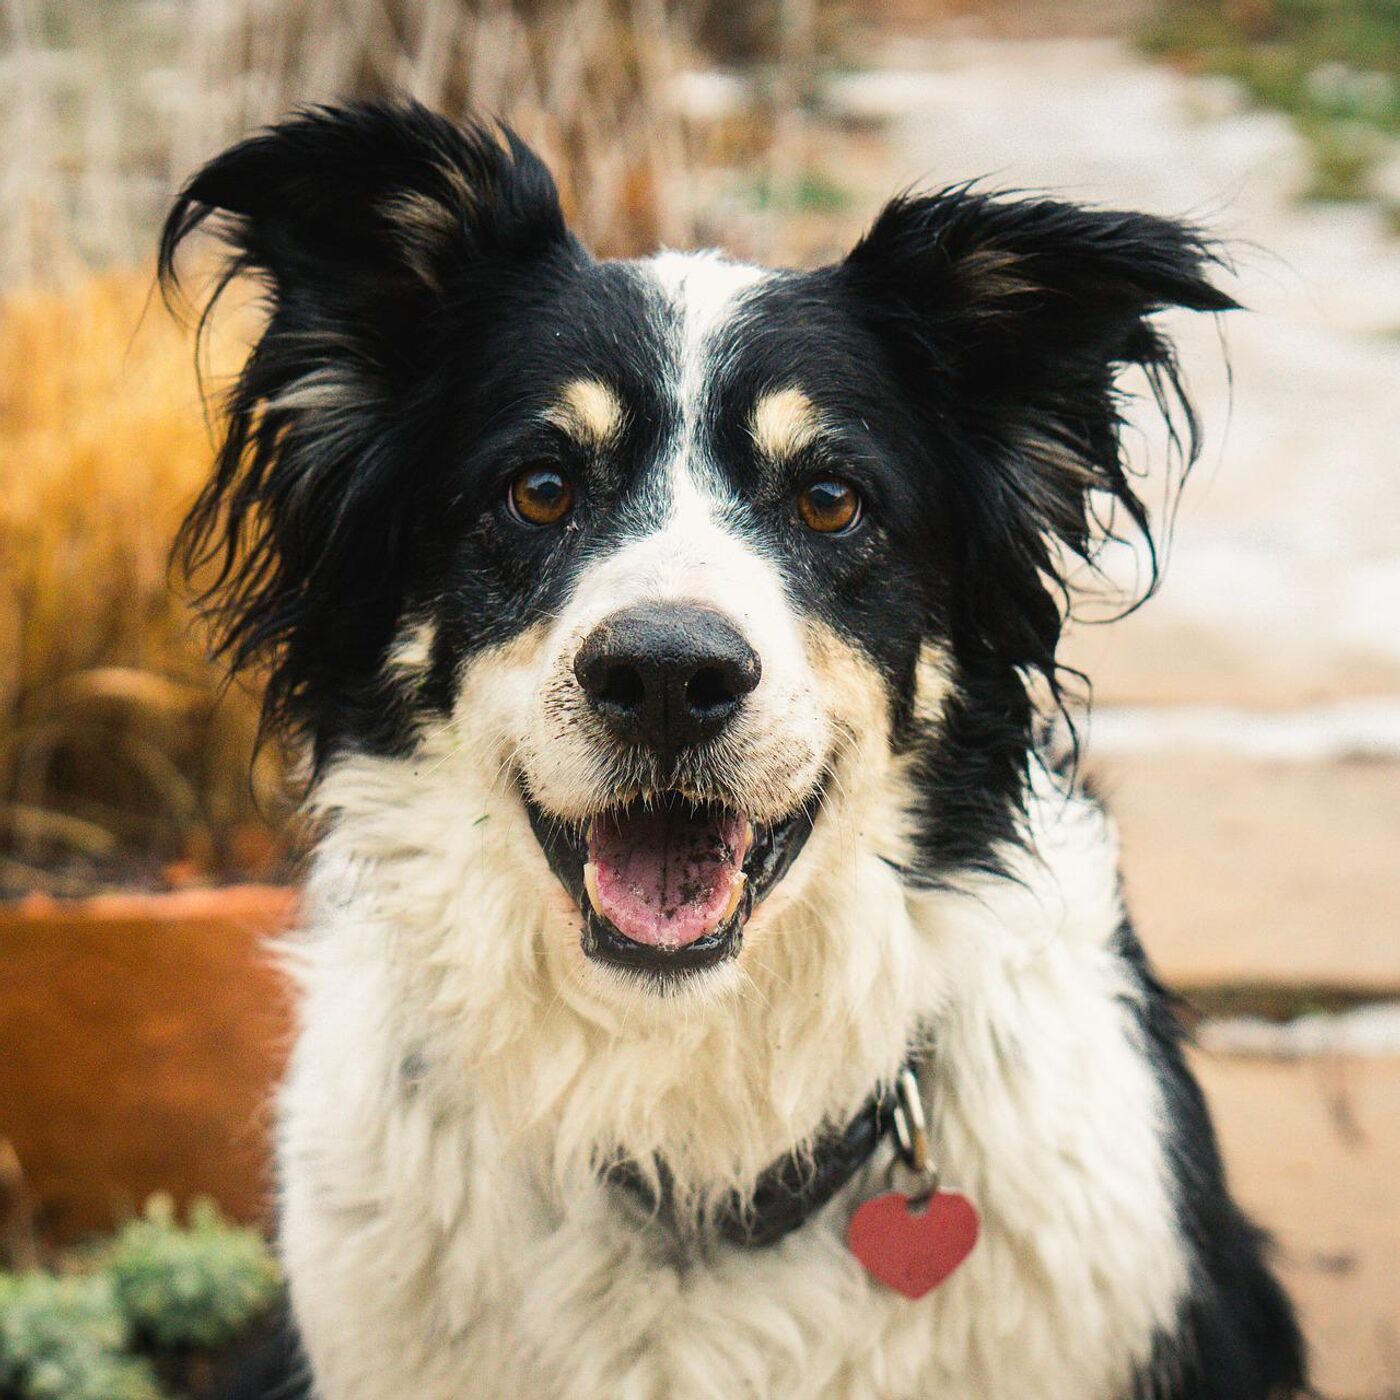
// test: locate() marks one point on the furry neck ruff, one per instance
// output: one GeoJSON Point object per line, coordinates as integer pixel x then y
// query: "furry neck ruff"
{"type": "Point", "coordinates": [670, 639]}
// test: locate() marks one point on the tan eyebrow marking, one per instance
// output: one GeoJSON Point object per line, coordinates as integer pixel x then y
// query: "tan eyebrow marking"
{"type": "Point", "coordinates": [784, 422]}
{"type": "Point", "coordinates": [589, 411]}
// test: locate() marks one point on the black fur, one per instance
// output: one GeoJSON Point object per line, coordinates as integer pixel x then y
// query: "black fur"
{"type": "Point", "coordinates": [385, 237]}
{"type": "Point", "coordinates": [1237, 1335]}
{"type": "Point", "coordinates": [425, 303]}
{"type": "Point", "coordinates": [1006, 324]}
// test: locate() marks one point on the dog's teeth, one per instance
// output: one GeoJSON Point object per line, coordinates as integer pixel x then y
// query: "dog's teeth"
{"type": "Point", "coordinates": [745, 841]}
{"type": "Point", "coordinates": [590, 883]}
{"type": "Point", "coordinates": [735, 895]}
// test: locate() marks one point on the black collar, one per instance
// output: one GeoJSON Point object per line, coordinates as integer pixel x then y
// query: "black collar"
{"type": "Point", "coordinates": [789, 1192]}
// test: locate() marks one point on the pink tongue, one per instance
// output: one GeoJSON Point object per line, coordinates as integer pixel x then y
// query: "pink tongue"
{"type": "Point", "coordinates": [665, 877]}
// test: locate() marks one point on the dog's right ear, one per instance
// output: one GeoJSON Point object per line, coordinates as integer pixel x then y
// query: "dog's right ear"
{"type": "Point", "coordinates": [382, 234]}
{"type": "Point", "coordinates": [364, 214]}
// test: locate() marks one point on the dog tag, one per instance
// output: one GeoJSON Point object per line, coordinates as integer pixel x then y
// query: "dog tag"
{"type": "Point", "coordinates": [910, 1247]}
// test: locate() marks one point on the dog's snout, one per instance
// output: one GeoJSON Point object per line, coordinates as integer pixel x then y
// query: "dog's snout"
{"type": "Point", "coordinates": [667, 675]}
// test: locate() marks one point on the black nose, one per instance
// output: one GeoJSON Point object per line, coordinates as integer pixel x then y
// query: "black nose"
{"type": "Point", "coordinates": [666, 675]}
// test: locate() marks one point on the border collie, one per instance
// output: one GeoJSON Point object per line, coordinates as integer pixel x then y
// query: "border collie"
{"type": "Point", "coordinates": [711, 984]}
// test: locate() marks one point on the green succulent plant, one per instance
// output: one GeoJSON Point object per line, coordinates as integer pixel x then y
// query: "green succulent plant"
{"type": "Point", "coordinates": [195, 1289]}
{"type": "Point", "coordinates": [63, 1339]}
{"type": "Point", "coordinates": [158, 1288]}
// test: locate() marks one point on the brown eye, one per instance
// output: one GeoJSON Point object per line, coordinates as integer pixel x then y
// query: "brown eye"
{"type": "Point", "coordinates": [541, 496]}
{"type": "Point", "coordinates": [829, 505]}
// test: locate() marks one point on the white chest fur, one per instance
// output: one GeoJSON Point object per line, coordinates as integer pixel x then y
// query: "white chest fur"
{"type": "Point", "coordinates": [444, 1229]}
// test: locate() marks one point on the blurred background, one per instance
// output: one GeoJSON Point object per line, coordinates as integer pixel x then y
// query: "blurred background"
{"type": "Point", "coordinates": [1246, 723]}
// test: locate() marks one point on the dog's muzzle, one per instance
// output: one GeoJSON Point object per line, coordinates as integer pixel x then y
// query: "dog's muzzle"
{"type": "Point", "coordinates": [668, 874]}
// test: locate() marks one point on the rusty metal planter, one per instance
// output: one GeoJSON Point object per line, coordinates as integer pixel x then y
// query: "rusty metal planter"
{"type": "Point", "coordinates": [140, 1037]}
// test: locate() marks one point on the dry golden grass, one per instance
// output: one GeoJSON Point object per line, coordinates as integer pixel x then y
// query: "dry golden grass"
{"type": "Point", "coordinates": [113, 737]}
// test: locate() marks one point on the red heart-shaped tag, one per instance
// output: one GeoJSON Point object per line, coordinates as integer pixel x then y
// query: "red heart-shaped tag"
{"type": "Point", "coordinates": [912, 1250]}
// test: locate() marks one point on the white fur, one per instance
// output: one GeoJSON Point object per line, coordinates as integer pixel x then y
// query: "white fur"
{"type": "Point", "coordinates": [462, 1070]}
{"type": "Point", "coordinates": [449, 1237]}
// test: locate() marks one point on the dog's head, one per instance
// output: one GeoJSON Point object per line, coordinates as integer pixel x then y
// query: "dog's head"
{"type": "Point", "coordinates": [696, 557]}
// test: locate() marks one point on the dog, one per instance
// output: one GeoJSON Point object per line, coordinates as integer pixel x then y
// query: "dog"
{"type": "Point", "coordinates": [713, 982]}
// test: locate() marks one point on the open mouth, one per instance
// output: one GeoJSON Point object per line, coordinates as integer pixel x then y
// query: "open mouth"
{"type": "Point", "coordinates": [666, 883]}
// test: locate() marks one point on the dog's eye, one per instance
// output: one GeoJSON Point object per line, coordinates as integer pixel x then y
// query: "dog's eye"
{"type": "Point", "coordinates": [541, 496]}
{"type": "Point", "coordinates": [829, 505]}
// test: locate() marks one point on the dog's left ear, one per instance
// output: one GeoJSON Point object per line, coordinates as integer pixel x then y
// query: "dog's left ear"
{"type": "Point", "coordinates": [1010, 320]}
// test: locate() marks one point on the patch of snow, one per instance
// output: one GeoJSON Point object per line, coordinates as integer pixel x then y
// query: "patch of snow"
{"type": "Point", "coordinates": [1345, 729]}
{"type": "Point", "coordinates": [1366, 1032]}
